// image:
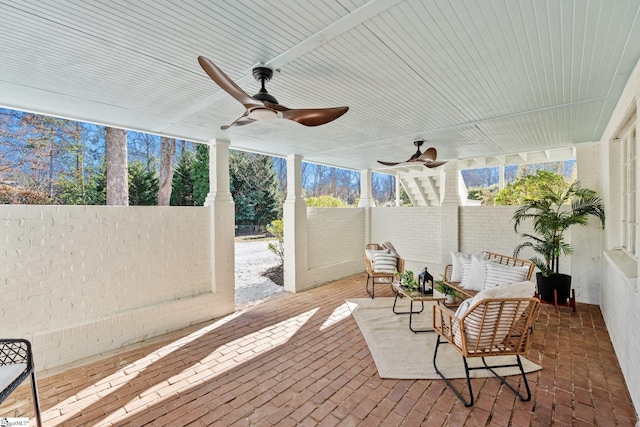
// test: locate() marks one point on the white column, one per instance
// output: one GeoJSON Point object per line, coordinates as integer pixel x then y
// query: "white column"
{"type": "Point", "coordinates": [450, 212]}
{"type": "Point", "coordinates": [366, 195]}
{"type": "Point", "coordinates": [222, 223]}
{"type": "Point", "coordinates": [584, 264]}
{"type": "Point", "coordinates": [366, 202]}
{"type": "Point", "coordinates": [398, 186]}
{"type": "Point", "coordinates": [501, 176]}
{"type": "Point", "coordinates": [295, 228]}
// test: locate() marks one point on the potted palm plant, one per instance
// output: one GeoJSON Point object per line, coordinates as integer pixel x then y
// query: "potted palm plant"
{"type": "Point", "coordinates": [550, 221]}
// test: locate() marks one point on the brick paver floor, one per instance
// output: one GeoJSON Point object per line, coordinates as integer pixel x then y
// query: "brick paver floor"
{"type": "Point", "coordinates": [301, 360]}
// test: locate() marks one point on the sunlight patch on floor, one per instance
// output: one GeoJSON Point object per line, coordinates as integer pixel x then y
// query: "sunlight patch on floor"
{"type": "Point", "coordinates": [340, 313]}
{"type": "Point", "coordinates": [129, 370]}
{"type": "Point", "coordinates": [220, 360]}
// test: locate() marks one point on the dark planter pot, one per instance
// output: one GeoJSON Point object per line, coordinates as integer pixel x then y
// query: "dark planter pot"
{"type": "Point", "coordinates": [560, 282]}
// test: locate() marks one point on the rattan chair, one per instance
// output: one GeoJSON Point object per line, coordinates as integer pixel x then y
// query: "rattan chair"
{"type": "Point", "coordinates": [16, 364]}
{"type": "Point", "coordinates": [492, 327]}
{"type": "Point", "coordinates": [376, 277]}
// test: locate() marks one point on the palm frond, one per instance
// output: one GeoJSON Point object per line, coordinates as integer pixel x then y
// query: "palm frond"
{"type": "Point", "coordinates": [550, 220]}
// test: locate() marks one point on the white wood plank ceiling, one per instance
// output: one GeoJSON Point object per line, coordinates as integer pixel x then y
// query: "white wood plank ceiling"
{"type": "Point", "coordinates": [484, 78]}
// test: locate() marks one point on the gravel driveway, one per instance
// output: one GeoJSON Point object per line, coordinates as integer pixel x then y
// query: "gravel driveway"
{"type": "Point", "coordinates": [253, 258]}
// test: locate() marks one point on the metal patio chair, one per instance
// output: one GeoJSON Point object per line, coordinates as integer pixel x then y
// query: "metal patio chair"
{"type": "Point", "coordinates": [492, 327]}
{"type": "Point", "coordinates": [16, 364]}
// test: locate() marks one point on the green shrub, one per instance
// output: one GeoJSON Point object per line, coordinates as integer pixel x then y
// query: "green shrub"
{"type": "Point", "coordinates": [325, 202]}
{"type": "Point", "coordinates": [276, 228]}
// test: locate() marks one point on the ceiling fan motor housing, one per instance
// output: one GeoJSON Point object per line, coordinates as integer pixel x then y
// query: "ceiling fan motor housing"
{"type": "Point", "coordinates": [263, 75]}
{"type": "Point", "coordinates": [418, 153]}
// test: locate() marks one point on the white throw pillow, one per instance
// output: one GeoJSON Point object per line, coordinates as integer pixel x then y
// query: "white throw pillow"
{"type": "Point", "coordinates": [474, 272]}
{"type": "Point", "coordinates": [466, 267]}
{"type": "Point", "coordinates": [385, 263]}
{"type": "Point", "coordinates": [456, 263]}
{"type": "Point", "coordinates": [499, 274]}
{"type": "Point", "coordinates": [389, 247]}
{"type": "Point", "coordinates": [371, 253]}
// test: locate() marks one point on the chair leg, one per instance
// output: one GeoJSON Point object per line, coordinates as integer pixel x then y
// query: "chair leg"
{"type": "Point", "coordinates": [467, 403]}
{"type": "Point", "coordinates": [471, 401]}
{"type": "Point", "coordinates": [373, 286]}
{"type": "Point", "coordinates": [36, 401]}
{"type": "Point", "coordinates": [503, 381]}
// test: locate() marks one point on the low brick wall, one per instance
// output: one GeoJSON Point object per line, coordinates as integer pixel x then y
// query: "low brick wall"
{"type": "Point", "coordinates": [80, 280]}
{"type": "Point", "coordinates": [335, 239]}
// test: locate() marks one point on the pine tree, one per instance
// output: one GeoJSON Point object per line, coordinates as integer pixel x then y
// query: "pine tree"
{"type": "Point", "coordinates": [182, 185]}
{"type": "Point", "coordinates": [255, 188]}
{"type": "Point", "coordinates": [143, 185]}
{"type": "Point", "coordinates": [200, 174]}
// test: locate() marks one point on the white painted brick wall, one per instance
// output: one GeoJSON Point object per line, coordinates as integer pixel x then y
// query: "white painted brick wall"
{"type": "Point", "coordinates": [489, 228]}
{"type": "Point", "coordinates": [335, 235]}
{"type": "Point", "coordinates": [79, 280]}
{"type": "Point", "coordinates": [619, 297]}
{"type": "Point", "coordinates": [414, 232]}
{"type": "Point", "coordinates": [620, 302]}
{"type": "Point", "coordinates": [335, 244]}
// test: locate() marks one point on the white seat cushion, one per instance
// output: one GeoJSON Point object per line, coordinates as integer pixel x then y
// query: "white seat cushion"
{"type": "Point", "coordinates": [511, 290]}
{"type": "Point", "coordinates": [9, 373]}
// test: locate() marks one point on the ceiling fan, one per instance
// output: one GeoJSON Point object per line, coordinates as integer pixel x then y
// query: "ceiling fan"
{"type": "Point", "coordinates": [263, 106]}
{"type": "Point", "coordinates": [428, 158]}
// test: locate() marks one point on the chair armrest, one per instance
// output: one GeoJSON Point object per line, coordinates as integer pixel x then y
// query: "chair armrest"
{"type": "Point", "coordinates": [445, 323]}
{"type": "Point", "coordinates": [367, 263]}
{"type": "Point", "coordinates": [448, 270]}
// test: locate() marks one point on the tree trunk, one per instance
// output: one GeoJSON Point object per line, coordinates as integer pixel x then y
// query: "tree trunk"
{"type": "Point", "coordinates": [117, 170]}
{"type": "Point", "coordinates": [167, 153]}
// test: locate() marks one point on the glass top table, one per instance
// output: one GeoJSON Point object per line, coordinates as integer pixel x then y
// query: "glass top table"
{"type": "Point", "coordinates": [417, 296]}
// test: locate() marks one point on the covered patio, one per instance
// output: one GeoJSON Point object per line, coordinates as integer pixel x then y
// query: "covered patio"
{"type": "Point", "coordinates": [485, 83]}
{"type": "Point", "coordinates": [300, 359]}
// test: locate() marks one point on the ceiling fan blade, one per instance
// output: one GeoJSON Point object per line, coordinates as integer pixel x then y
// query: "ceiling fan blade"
{"type": "Point", "coordinates": [388, 163]}
{"type": "Point", "coordinates": [433, 164]}
{"type": "Point", "coordinates": [228, 85]}
{"type": "Point", "coordinates": [240, 121]}
{"type": "Point", "coordinates": [313, 116]}
{"type": "Point", "coordinates": [429, 154]}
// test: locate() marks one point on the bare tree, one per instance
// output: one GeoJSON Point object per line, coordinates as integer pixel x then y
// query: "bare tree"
{"type": "Point", "coordinates": [167, 154]}
{"type": "Point", "coordinates": [117, 170]}
{"type": "Point", "coordinates": [144, 148]}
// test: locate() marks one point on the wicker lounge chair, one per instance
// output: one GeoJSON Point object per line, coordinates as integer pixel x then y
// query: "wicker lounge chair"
{"type": "Point", "coordinates": [378, 277]}
{"type": "Point", "coordinates": [16, 364]}
{"type": "Point", "coordinates": [492, 327]}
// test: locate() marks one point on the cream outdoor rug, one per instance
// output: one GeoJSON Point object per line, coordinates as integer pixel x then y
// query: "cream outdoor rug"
{"type": "Point", "coordinates": [401, 354]}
